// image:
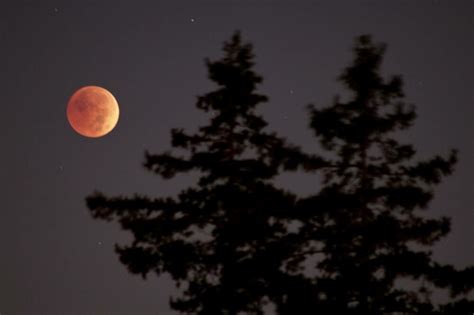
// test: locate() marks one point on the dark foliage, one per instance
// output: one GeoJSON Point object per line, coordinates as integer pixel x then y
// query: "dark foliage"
{"type": "Point", "coordinates": [222, 241]}
{"type": "Point", "coordinates": [366, 224]}
{"type": "Point", "coordinates": [234, 242]}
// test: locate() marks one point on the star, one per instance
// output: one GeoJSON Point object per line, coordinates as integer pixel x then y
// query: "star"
{"type": "Point", "coordinates": [192, 20]}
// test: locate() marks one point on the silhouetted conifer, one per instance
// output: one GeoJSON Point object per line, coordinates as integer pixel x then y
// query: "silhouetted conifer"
{"type": "Point", "coordinates": [223, 240]}
{"type": "Point", "coordinates": [365, 228]}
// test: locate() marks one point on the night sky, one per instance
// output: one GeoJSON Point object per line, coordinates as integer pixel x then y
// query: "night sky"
{"type": "Point", "coordinates": [55, 258]}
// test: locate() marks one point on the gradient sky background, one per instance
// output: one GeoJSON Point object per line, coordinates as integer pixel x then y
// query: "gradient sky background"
{"type": "Point", "coordinates": [54, 258]}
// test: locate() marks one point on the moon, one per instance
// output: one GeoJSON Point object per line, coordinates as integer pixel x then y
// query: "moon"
{"type": "Point", "coordinates": [92, 111]}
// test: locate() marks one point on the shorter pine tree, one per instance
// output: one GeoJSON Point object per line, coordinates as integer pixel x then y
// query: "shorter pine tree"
{"type": "Point", "coordinates": [365, 227]}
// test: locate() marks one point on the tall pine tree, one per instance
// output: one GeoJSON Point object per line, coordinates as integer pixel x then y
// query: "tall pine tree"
{"type": "Point", "coordinates": [224, 239]}
{"type": "Point", "coordinates": [365, 229]}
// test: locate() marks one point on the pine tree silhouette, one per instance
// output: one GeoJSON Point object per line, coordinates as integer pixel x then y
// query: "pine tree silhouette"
{"type": "Point", "coordinates": [222, 241]}
{"type": "Point", "coordinates": [365, 228]}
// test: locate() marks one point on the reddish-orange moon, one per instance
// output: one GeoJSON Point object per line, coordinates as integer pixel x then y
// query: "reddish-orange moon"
{"type": "Point", "coordinates": [92, 111]}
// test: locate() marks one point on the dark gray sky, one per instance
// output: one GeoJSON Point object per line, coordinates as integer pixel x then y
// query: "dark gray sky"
{"type": "Point", "coordinates": [54, 258]}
